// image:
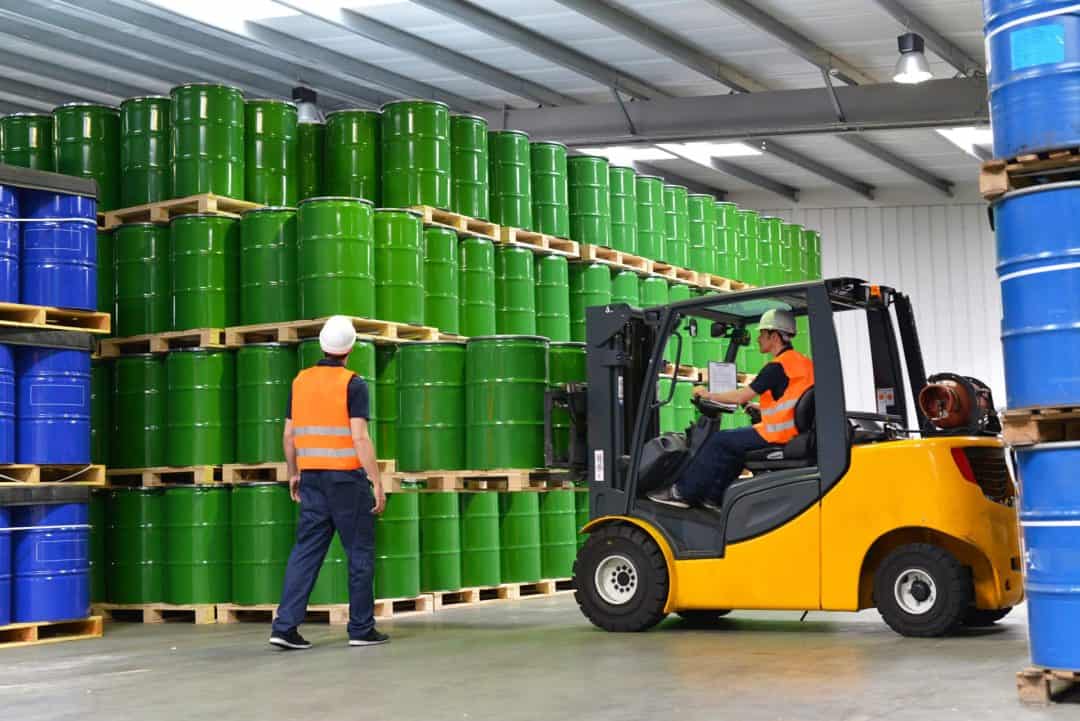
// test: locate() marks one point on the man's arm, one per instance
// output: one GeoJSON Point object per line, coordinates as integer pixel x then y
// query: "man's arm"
{"type": "Point", "coordinates": [290, 460]}
{"type": "Point", "coordinates": [739, 396]}
{"type": "Point", "coordinates": [366, 452]}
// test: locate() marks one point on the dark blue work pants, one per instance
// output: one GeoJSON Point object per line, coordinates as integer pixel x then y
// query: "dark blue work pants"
{"type": "Point", "coordinates": [717, 464]}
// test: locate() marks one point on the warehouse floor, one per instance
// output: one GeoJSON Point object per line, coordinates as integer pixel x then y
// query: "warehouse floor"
{"type": "Point", "coordinates": [528, 660]}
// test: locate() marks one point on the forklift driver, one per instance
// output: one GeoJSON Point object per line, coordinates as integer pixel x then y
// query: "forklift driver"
{"type": "Point", "coordinates": [780, 384]}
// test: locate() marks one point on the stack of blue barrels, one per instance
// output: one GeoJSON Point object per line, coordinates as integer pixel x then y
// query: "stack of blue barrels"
{"type": "Point", "coordinates": [1034, 76]}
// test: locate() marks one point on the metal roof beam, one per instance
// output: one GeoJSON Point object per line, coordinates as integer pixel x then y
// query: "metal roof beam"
{"type": "Point", "coordinates": [675, 179]}
{"type": "Point", "coordinates": [28, 105]}
{"type": "Point", "coordinates": [69, 76]}
{"type": "Point", "coordinates": [14, 106]}
{"type": "Point", "coordinates": [887, 156]}
{"type": "Point", "coordinates": [949, 51]}
{"type": "Point", "coordinates": [40, 93]}
{"type": "Point", "coordinates": [745, 174]}
{"type": "Point", "coordinates": [809, 164]}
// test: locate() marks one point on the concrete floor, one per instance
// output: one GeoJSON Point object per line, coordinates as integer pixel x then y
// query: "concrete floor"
{"type": "Point", "coordinates": [528, 660]}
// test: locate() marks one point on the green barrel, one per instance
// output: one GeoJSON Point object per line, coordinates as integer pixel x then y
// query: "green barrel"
{"type": "Point", "coordinates": [624, 214]}
{"type": "Point", "coordinates": [677, 415]}
{"type": "Point", "coordinates": [335, 257]}
{"type": "Point", "coordinates": [26, 140]}
{"type": "Point", "coordinates": [770, 232]}
{"type": "Point", "coordinates": [509, 170]}
{"type": "Point", "coordinates": [399, 266]}
{"type": "Point", "coordinates": [106, 264]}
{"type": "Point", "coordinates": [351, 154]}
{"type": "Point", "coordinates": [207, 140]}
{"type": "Point", "coordinates": [133, 545]}
{"type": "Point", "coordinates": [263, 520]}
{"type": "Point", "coordinates": [515, 291]}
{"type": "Point", "coordinates": [654, 291]}
{"type": "Point", "coordinates": [589, 285]}
{"type": "Point", "coordinates": [553, 297]}
{"type": "Point", "coordinates": [100, 410]}
{"type": "Point", "coordinates": [361, 362]}
{"type": "Point", "coordinates": [625, 288]}
{"type": "Point", "coordinates": [264, 375]}
{"type": "Point", "coordinates": [727, 215]}
{"type": "Point", "coordinates": [702, 214]}
{"type": "Point", "coordinates": [386, 401]}
{"type": "Point", "coordinates": [650, 217]}
{"type": "Point", "coordinates": [397, 547]}
{"type": "Point", "coordinates": [310, 157]}
{"type": "Point", "coordinates": [268, 266]}
{"type": "Point", "coordinates": [440, 541]}
{"type": "Point", "coordinates": [519, 537]}
{"type": "Point", "coordinates": [677, 225]}
{"type": "Point", "coordinates": [727, 248]}
{"type": "Point", "coordinates": [558, 534]}
{"type": "Point", "coordinates": [431, 401]}
{"type": "Point", "coordinates": [86, 138]}
{"type": "Point", "coordinates": [98, 514]}
{"type": "Point", "coordinates": [145, 150]}
{"type": "Point", "coordinates": [704, 348]}
{"type": "Point", "coordinates": [198, 548]}
{"type": "Point", "coordinates": [748, 247]}
{"type": "Point", "coordinates": [271, 152]}
{"type": "Point", "coordinates": [415, 154]}
{"type": "Point", "coordinates": [669, 417]}
{"type": "Point", "coordinates": [787, 253]}
{"type": "Point", "coordinates": [566, 364]}
{"type": "Point", "coordinates": [441, 291]}
{"type": "Point", "coordinates": [332, 583]}
{"type": "Point", "coordinates": [479, 538]}
{"type": "Point", "coordinates": [550, 191]}
{"type": "Point", "coordinates": [204, 251]}
{"type": "Point", "coordinates": [140, 403]}
{"type": "Point", "coordinates": [813, 254]}
{"type": "Point", "coordinates": [803, 245]}
{"type": "Point", "coordinates": [201, 407]}
{"type": "Point", "coordinates": [581, 514]}
{"type": "Point", "coordinates": [477, 286]}
{"type": "Point", "coordinates": [469, 166]}
{"type": "Point", "coordinates": [142, 269]}
{"type": "Point", "coordinates": [505, 381]}
{"type": "Point", "coordinates": [590, 199]}
{"type": "Point", "coordinates": [679, 292]}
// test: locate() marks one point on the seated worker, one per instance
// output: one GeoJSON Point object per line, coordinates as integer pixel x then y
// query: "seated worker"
{"type": "Point", "coordinates": [780, 384]}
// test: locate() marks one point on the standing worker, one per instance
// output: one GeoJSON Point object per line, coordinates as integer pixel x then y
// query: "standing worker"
{"type": "Point", "coordinates": [331, 460]}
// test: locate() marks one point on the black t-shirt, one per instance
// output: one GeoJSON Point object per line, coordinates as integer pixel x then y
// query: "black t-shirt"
{"type": "Point", "coordinates": [771, 378]}
{"type": "Point", "coordinates": [358, 394]}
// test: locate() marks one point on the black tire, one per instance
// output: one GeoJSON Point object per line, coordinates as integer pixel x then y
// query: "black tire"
{"type": "Point", "coordinates": [703, 618]}
{"type": "Point", "coordinates": [638, 579]}
{"type": "Point", "coordinates": [930, 575]}
{"type": "Point", "coordinates": [981, 618]}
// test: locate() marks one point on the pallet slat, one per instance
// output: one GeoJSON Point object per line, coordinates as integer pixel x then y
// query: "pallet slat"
{"type": "Point", "coordinates": [464, 597]}
{"type": "Point", "coordinates": [33, 634]}
{"type": "Point", "coordinates": [334, 614]}
{"type": "Point", "coordinates": [151, 613]}
{"type": "Point", "coordinates": [617, 259]}
{"type": "Point", "coordinates": [539, 242]}
{"type": "Point", "coordinates": [457, 221]}
{"type": "Point", "coordinates": [271, 472]}
{"type": "Point", "coordinates": [1026, 427]}
{"type": "Point", "coordinates": [298, 330]}
{"type": "Point", "coordinates": [163, 211]}
{"type": "Point", "coordinates": [162, 342]}
{"type": "Point", "coordinates": [19, 315]}
{"type": "Point", "coordinates": [1001, 175]}
{"type": "Point", "coordinates": [19, 474]}
{"type": "Point", "coordinates": [161, 475]}
{"type": "Point", "coordinates": [502, 479]}
{"type": "Point", "coordinates": [1040, 686]}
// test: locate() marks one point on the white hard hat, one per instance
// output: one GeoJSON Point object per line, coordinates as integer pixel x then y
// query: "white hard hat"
{"type": "Point", "coordinates": [780, 320]}
{"type": "Point", "coordinates": [337, 336]}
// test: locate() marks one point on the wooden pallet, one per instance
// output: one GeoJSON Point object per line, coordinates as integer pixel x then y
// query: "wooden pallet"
{"type": "Point", "coordinates": [460, 223]}
{"type": "Point", "coordinates": [616, 259]}
{"type": "Point", "coordinates": [539, 242]}
{"type": "Point", "coordinates": [464, 597]}
{"type": "Point", "coordinates": [1026, 427]}
{"type": "Point", "coordinates": [1000, 176]}
{"type": "Point", "coordinates": [1039, 686]}
{"type": "Point", "coordinates": [684, 371]}
{"type": "Point", "coordinates": [708, 281]}
{"type": "Point", "coordinates": [200, 614]}
{"type": "Point", "coordinates": [34, 634]}
{"type": "Point", "coordinates": [452, 338]}
{"type": "Point", "coordinates": [386, 608]}
{"type": "Point", "coordinates": [18, 315]}
{"type": "Point", "coordinates": [163, 211]}
{"type": "Point", "coordinates": [271, 472]}
{"type": "Point", "coordinates": [298, 330]}
{"type": "Point", "coordinates": [163, 475]}
{"type": "Point", "coordinates": [495, 480]}
{"type": "Point", "coordinates": [19, 474]}
{"type": "Point", "coordinates": [335, 614]}
{"type": "Point", "coordinates": [162, 342]}
{"type": "Point", "coordinates": [674, 272]}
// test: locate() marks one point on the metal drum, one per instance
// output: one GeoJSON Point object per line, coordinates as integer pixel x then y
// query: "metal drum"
{"type": "Point", "coordinates": [361, 362]}
{"type": "Point", "coordinates": [811, 239]}
{"type": "Point", "coordinates": [201, 407]}
{"type": "Point", "coordinates": [519, 537]}
{"type": "Point", "coordinates": [9, 244]}
{"type": "Point", "coordinates": [198, 550]}
{"type": "Point", "coordinates": [310, 158]}
{"type": "Point", "coordinates": [788, 250]}
{"type": "Point", "coordinates": [649, 191]}
{"type": "Point", "coordinates": [397, 547]}
{"type": "Point", "coordinates": [589, 285]}
{"type": "Point", "coordinates": [332, 583]}
{"type": "Point", "coordinates": [98, 512]}
{"type": "Point", "coordinates": [477, 284]}
{"type": "Point", "coordinates": [415, 153]}
{"type": "Point", "coordinates": [505, 380]}
{"type": "Point", "coordinates": [53, 405]}
{"type": "Point", "coordinates": [727, 248]}
{"type": "Point", "coordinates": [815, 257]}
{"type": "Point", "coordinates": [399, 266]}
{"type": "Point", "coordinates": [143, 303]}
{"type": "Point", "coordinates": [106, 284]}
{"type": "Point", "coordinates": [625, 288]}
{"type": "Point", "coordinates": [590, 199]}
{"type": "Point", "coordinates": [510, 174]}
{"type": "Point", "coordinates": [479, 538]}
{"type": "Point", "coordinates": [263, 524]}
{"type": "Point", "coordinates": [336, 257]}
{"type": "Point", "coordinates": [431, 399]}
{"type": "Point", "coordinates": [26, 140]}
{"type": "Point", "coordinates": [352, 150]}
{"type": "Point", "coordinates": [624, 213]}
{"type": "Point", "coordinates": [654, 291]}
{"type": "Point", "coordinates": [703, 347]}
{"type": "Point", "coordinates": [469, 166]}
{"type": "Point", "coordinates": [50, 562]}
{"type": "Point", "coordinates": [271, 152]}
{"type": "Point", "coordinates": [440, 541]}
{"type": "Point", "coordinates": [133, 545]}
{"type": "Point", "coordinates": [702, 210]}
{"type": "Point", "coordinates": [553, 297]}
{"type": "Point", "coordinates": [205, 258]}
{"type": "Point", "coordinates": [770, 232]}
{"type": "Point", "coordinates": [5, 566]}
{"type": "Point", "coordinates": [581, 514]}
{"type": "Point", "coordinates": [58, 263]}
{"type": "Point", "coordinates": [550, 191]}
{"type": "Point", "coordinates": [264, 375]}
{"type": "Point", "coordinates": [558, 534]}
{"type": "Point", "coordinates": [678, 415]}
{"type": "Point", "coordinates": [268, 291]}
{"type": "Point", "coordinates": [86, 137]}
{"type": "Point", "coordinates": [677, 225]}
{"type": "Point", "coordinates": [679, 292]}
{"type": "Point", "coordinates": [566, 364]}
{"type": "Point", "coordinates": [441, 292]}
{"type": "Point", "coordinates": [386, 401]}
{"type": "Point", "coordinates": [100, 407]}
{"type": "Point", "coordinates": [747, 263]}
{"type": "Point", "coordinates": [207, 140]}
{"type": "Point", "coordinates": [145, 150]}
{"type": "Point", "coordinates": [515, 291]}
{"type": "Point", "coordinates": [139, 412]}
{"type": "Point", "coordinates": [8, 394]}
{"type": "Point", "coordinates": [727, 215]}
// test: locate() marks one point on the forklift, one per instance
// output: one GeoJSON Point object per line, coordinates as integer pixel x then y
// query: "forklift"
{"type": "Point", "coordinates": [860, 510]}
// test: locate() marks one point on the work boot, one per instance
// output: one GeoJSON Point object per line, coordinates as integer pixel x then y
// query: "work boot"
{"type": "Point", "coordinates": [669, 497]}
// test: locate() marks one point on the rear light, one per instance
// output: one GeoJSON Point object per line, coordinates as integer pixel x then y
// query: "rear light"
{"type": "Point", "coordinates": [963, 465]}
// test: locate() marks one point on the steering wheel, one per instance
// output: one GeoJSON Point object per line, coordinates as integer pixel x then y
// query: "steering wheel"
{"type": "Point", "coordinates": [709, 409]}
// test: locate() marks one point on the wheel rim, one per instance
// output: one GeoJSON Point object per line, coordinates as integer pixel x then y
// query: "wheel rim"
{"type": "Point", "coordinates": [616, 580]}
{"type": "Point", "coordinates": [915, 591]}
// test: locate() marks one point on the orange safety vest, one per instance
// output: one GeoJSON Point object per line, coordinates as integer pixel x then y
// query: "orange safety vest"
{"type": "Point", "coordinates": [320, 416]}
{"type": "Point", "coordinates": [778, 414]}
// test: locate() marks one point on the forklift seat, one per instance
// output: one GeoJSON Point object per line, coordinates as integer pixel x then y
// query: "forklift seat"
{"type": "Point", "coordinates": [800, 451]}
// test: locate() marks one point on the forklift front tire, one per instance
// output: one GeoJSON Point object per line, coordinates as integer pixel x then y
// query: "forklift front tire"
{"type": "Point", "coordinates": [621, 579]}
{"type": "Point", "coordinates": [922, 590]}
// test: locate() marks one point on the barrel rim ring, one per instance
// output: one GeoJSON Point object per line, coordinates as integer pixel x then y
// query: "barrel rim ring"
{"type": "Point", "coordinates": [269, 208]}
{"type": "Point", "coordinates": [365, 201]}
{"type": "Point", "coordinates": [276, 101]}
{"type": "Point", "coordinates": [86, 104]}
{"type": "Point", "coordinates": [771, 218]}
{"type": "Point", "coordinates": [27, 114]}
{"type": "Point", "coordinates": [647, 176]}
{"type": "Point", "coordinates": [415, 343]}
{"type": "Point", "coordinates": [194, 486]}
{"type": "Point", "coordinates": [366, 111]}
{"type": "Point", "coordinates": [283, 484]}
{"type": "Point", "coordinates": [205, 84]}
{"type": "Point", "coordinates": [117, 359]}
{"type": "Point", "coordinates": [471, 116]}
{"type": "Point", "coordinates": [568, 343]}
{"type": "Point", "coordinates": [275, 343]}
{"type": "Point", "coordinates": [506, 336]}
{"type": "Point", "coordinates": [1030, 190]}
{"type": "Point", "coordinates": [702, 195]}
{"type": "Point", "coordinates": [588, 156]}
{"type": "Point", "coordinates": [410, 211]}
{"type": "Point", "coordinates": [510, 131]}
{"type": "Point", "coordinates": [426, 101]}
{"type": "Point", "coordinates": [201, 215]}
{"type": "Point", "coordinates": [155, 490]}
{"type": "Point", "coordinates": [476, 236]}
{"type": "Point", "coordinates": [197, 350]}
{"type": "Point", "coordinates": [139, 223]}
{"type": "Point", "coordinates": [677, 185]}
{"type": "Point", "coordinates": [144, 97]}
{"type": "Point", "coordinates": [564, 146]}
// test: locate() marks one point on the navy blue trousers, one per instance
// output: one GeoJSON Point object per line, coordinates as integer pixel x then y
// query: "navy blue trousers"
{"type": "Point", "coordinates": [717, 464]}
{"type": "Point", "coordinates": [329, 501]}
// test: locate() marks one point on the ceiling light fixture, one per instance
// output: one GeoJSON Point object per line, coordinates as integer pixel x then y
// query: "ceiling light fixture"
{"type": "Point", "coordinates": [912, 67]}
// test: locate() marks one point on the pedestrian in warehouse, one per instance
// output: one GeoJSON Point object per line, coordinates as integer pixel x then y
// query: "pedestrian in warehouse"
{"type": "Point", "coordinates": [334, 477]}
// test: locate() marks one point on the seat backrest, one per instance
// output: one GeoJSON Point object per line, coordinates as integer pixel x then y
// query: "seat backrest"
{"type": "Point", "coordinates": [804, 411]}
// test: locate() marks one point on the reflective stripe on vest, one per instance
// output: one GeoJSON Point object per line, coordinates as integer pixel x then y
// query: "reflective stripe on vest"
{"type": "Point", "coordinates": [778, 414]}
{"type": "Point", "coordinates": [320, 416]}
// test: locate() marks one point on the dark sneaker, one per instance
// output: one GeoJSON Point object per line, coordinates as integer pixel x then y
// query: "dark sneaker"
{"type": "Point", "coordinates": [669, 497]}
{"type": "Point", "coordinates": [291, 640]}
{"type": "Point", "coordinates": [373, 638]}
{"type": "Point", "coordinates": [712, 506]}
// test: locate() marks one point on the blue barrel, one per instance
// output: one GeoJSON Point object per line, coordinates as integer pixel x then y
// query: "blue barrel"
{"type": "Point", "coordinates": [5, 566]}
{"type": "Point", "coordinates": [59, 251]}
{"type": "Point", "coordinates": [52, 405]}
{"type": "Point", "coordinates": [50, 565]}
{"type": "Point", "coordinates": [1038, 246]}
{"type": "Point", "coordinates": [9, 245]}
{"type": "Point", "coordinates": [7, 404]}
{"type": "Point", "coordinates": [1033, 62]}
{"type": "Point", "coordinates": [1050, 518]}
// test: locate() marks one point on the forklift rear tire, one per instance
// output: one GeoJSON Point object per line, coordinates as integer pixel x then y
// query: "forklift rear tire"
{"type": "Point", "coordinates": [621, 579]}
{"type": "Point", "coordinates": [922, 590]}
{"type": "Point", "coordinates": [703, 618]}
{"type": "Point", "coordinates": [981, 618]}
